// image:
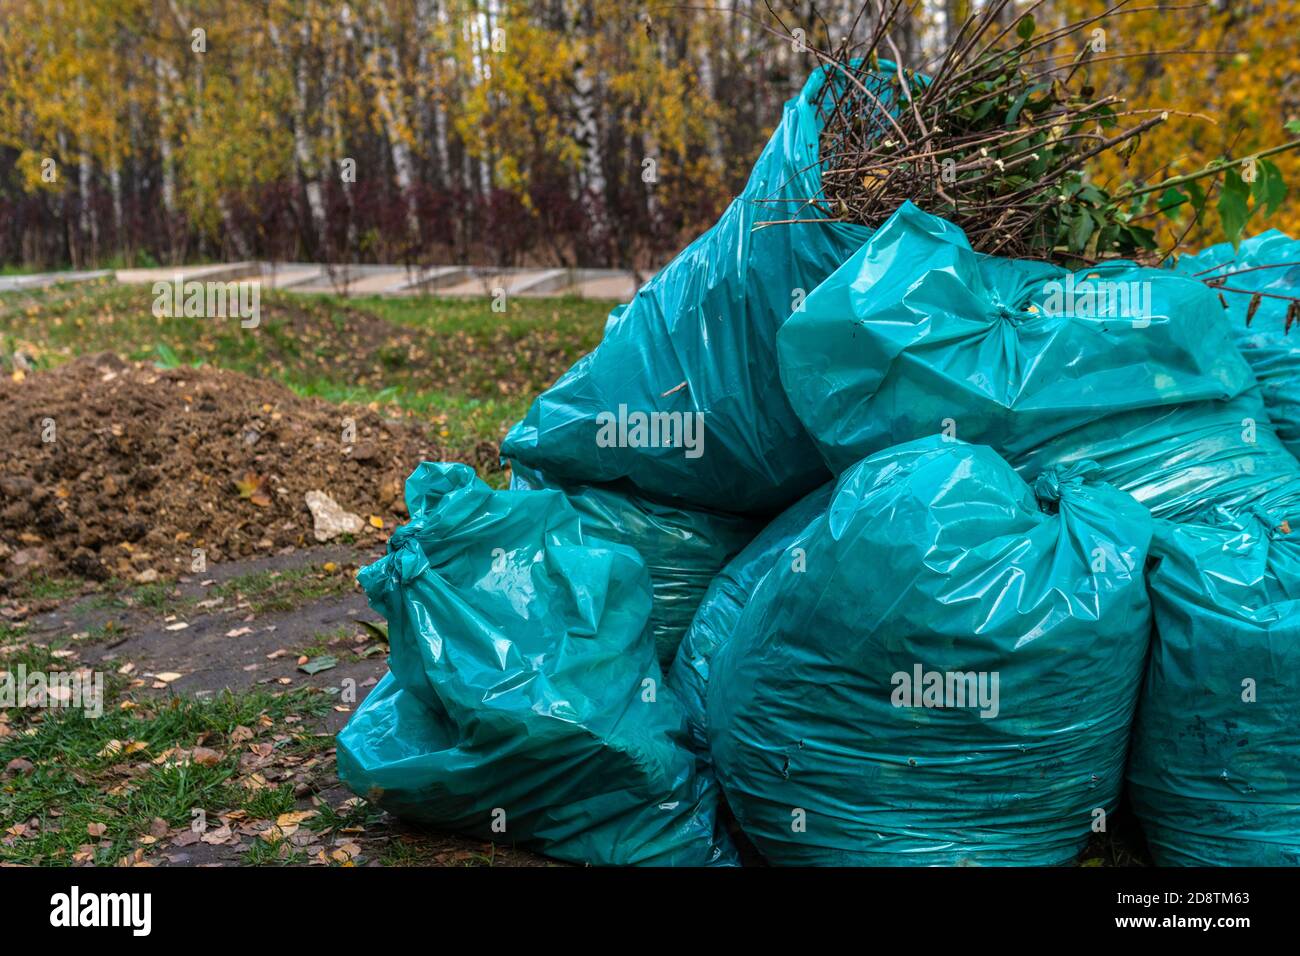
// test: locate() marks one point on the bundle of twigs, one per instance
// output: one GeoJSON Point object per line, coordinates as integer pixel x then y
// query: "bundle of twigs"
{"type": "Point", "coordinates": [994, 136]}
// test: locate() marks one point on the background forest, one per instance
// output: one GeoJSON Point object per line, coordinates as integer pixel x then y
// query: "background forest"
{"type": "Point", "coordinates": [573, 132]}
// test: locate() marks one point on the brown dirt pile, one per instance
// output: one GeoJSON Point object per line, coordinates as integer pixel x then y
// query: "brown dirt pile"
{"type": "Point", "coordinates": [115, 469]}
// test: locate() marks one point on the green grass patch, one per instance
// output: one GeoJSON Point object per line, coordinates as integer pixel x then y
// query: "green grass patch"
{"type": "Point", "coordinates": [279, 853]}
{"type": "Point", "coordinates": [284, 590]}
{"type": "Point", "coordinates": [91, 773]}
{"type": "Point", "coordinates": [52, 653]}
{"type": "Point", "coordinates": [29, 656]}
{"type": "Point", "coordinates": [159, 596]}
{"type": "Point", "coordinates": [10, 633]}
{"type": "Point", "coordinates": [43, 587]}
{"type": "Point", "coordinates": [336, 643]}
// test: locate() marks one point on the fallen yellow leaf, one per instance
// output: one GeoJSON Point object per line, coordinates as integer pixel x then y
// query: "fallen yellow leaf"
{"type": "Point", "coordinates": [294, 817]}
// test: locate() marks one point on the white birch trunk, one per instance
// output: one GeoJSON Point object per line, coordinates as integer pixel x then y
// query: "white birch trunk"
{"type": "Point", "coordinates": [301, 145]}
{"type": "Point", "coordinates": [387, 78]}
{"type": "Point", "coordinates": [165, 157]}
{"type": "Point", "coordinates": [586, 133]}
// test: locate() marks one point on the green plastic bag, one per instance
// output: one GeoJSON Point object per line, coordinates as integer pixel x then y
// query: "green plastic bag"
{"type": "Point", "coordinates": [695, 349]}
{"type": "Point", "coordinates": [916, 334]}
{"type": "Point", "coordinates": [1271, 348]}
{"type": "Point", "coordinates": [525, 703]}
{"type": "Point", "coordinates": [1215, 770]}
{"type": "Point", "coordinates": [715, 621]}
{"type": "Point", "coordinates": [1133, 368]}
{"type": "Point", "coordinates": [935, 558]}
{"type": "Point", "coordinates": [683, 548]}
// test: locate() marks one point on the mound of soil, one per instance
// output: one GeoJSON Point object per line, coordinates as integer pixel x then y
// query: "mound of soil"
{"type": "Point", "coordinates": [117, 469]}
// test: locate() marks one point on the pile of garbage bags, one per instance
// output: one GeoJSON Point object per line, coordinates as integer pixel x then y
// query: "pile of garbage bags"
{"type": "Point", "coordinates": [859, 547]}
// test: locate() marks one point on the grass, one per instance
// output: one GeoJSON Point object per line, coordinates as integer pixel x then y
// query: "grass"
{"type": "Point", "coordinates": [351, 814]}
{"type": "Point", "coordinates": [462, 421]}
{"type": "Point", "coordinates": [279, 853]}
{"type": "Point", "coordinates": [16, 650]}
{"type": "Point", "coordinates": [158, 596]}
{"type": "Point", "coordinates": [80, 781]}
{"type": "Point", "coordinates": [42, 587]}
{"type": "Point", "coordinates": [284, 590]}
{"type": "Point", "coordinates": [455, 363]}
{"type": "Point", "coordinates": [338, 643]}
{"type": "Point", "coordinates": [263, 590]}
{"type": "Point", "coordinates": [45, 655]}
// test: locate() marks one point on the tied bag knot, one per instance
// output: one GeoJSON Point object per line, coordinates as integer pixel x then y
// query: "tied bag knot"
{"type": "Point", "coordinates": [1053, 484]}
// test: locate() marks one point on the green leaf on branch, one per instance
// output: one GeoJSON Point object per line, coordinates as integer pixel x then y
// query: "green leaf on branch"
{"type": "Point", "coordinates": [1080, 231]}
{"type": "Point", "coordinates": [1269, 189]}
{"type": "Point", "coordinates": [1013, 114]}
{"type": "Point", "coordinates": [1234, 206]}
{"type": "Point", "coordinates": [1171, 199]}
{"type": "Point", "coordinates": [1091, 194]}
{"type": "Point", "coordinates": [1140, 237]}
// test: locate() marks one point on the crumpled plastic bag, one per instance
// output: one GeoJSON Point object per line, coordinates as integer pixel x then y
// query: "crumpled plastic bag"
{"type": "Point", "coordinates": [719, 611]}
{"type": "Point", "coordinates": [935, 558]}
{"type": "Point", "coordinates": [524, 702]}
{"type": "Point", "coordinates": [683, 548]}
{"type": "Point", "coordinates": [1272, 349]}
{"type": "Point", "coordinates": [1215, 771]}
{"type": "Point", "coordinates": [916, 334]}
{"type": "Point", "coordinates": [696, 349]}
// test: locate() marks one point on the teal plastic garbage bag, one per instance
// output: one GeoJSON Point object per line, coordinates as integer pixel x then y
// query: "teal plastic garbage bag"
{"type": "Point", "coordinates": [1215, 770]}
{"type": "Point", "coordinates": [1130, 367]}
{"type": "Point", "coordinates": [715, 620]}
{"type": "Point", "coordinates": [683, 548]}
{"type": "Point", "coordinates": [935, 562]}
{"type": "Point", "coordinates": [1272, 349]}
{"type": "Point", "coordinates": [525, 703]}
{"type": "Point", "coordinates": [682, 397]}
